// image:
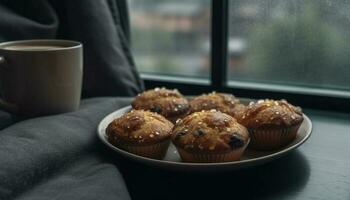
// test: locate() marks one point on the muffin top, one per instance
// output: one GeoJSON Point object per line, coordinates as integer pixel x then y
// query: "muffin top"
{"type": "Point", "coordinates": [209, 131]}
{"type": "Point", "coordinates": [139, 127]}
{"type": "Point", "coordinates": [169, 103]}
{"type": "Point", "coordinates": [225, 103]}
{"type": "Point", "coordinates": [269, 113]}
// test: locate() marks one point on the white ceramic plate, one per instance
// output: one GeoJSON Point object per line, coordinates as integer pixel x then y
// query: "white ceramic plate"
{"type": "Point", "coordinates": [172, 159]}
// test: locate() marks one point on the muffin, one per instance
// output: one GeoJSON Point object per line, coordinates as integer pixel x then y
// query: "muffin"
{"type": "Point", "coordinates": [225, 103]}
{"type": "Point", "coordinates": [271, 124]}
{"type": "Point", "coordinates": [209, 136]}
{"type": "Point", "coordinates": [169, 103]}
{"type": "Point", "coordinates": [141, 132]}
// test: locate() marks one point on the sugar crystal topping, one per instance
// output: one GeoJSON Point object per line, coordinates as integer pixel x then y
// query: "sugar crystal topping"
{"type": "Point", "coordinates": [261, 101]}
{"type": "Point", "coordinates": [156, 89]}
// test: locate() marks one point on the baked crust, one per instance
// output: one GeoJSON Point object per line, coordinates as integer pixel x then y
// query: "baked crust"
{"type": "Point", "coordinates": [222, 102]}
{"type": "Point", "coordinates": [169, 103]}
{"type": "Point", "coordinates": [139, 127]}
{"type": "Point", "coordinates": [210, 132]}
{"type": "Point", "coordinates": [271, 114]}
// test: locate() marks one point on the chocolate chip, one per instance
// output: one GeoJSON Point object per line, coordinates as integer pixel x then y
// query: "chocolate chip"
{"type": "Point", "coordinates": [156, 109]}
{"type": "Point", "coordinates": [236, 141]}
{"type": "Point", "coordinates": [178, 135]}
{"type": "Point", "coordinates": [198, 133]}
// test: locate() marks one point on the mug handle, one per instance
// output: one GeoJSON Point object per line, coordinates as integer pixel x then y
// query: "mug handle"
{"type": "Point", "coordinates": [8, 107]}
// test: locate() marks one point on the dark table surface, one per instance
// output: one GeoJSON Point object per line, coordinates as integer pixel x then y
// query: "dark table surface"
{"type": "Point", "coordinates": [319, 169]}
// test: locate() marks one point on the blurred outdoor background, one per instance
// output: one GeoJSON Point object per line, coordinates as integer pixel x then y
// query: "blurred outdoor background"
{"type": "Point", "coordinates": [288, 42]}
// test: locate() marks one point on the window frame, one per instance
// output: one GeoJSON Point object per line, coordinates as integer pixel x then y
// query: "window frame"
{"type": "Point", "coordinates": [323, 99]}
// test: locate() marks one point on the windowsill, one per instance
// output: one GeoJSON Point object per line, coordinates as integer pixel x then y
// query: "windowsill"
{"type": "Point", "coordinates": [251, 85]}
{"type": "Point", "coordinates": [315, 98]}
{"type": "Point", "coordinates": [290, 89]}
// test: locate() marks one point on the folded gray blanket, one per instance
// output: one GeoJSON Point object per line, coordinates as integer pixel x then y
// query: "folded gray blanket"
{"type": "Point", "coordinates": [59, 157]}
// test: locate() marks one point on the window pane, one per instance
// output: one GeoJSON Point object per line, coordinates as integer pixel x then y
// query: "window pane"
{"type": "Point", "coordinates": [291, 42]}
{"type": "Point", "coordinates": [171, 36]}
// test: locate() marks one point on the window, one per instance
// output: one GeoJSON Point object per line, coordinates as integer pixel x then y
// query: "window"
{"type": "Point", "coordinates": [171, 37]}
{"type": "Point", "coordinates": [298, 49]}
{"type": "Point", "coordinates": [301, 43]}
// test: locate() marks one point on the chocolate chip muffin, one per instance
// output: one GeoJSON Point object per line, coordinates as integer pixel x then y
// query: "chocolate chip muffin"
{"type": "Point", "coordinates": [209, 136]}
{"type": "Point", "coordinates": [272, 124]}
{"type": "Point", "coordinates": [169, 103]}
{"type": "Point", "coordinates": [226, 103]}
{"type": "Point", "coordinates": [141, 132]}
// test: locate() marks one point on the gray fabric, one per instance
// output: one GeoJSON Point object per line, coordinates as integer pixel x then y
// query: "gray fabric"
{"type": "Point", "coordinates": [60, 157]}
{"type": "Point", "coordinates": [102, 27]}
{"type": "Point", "coordinates": [6, 119]}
